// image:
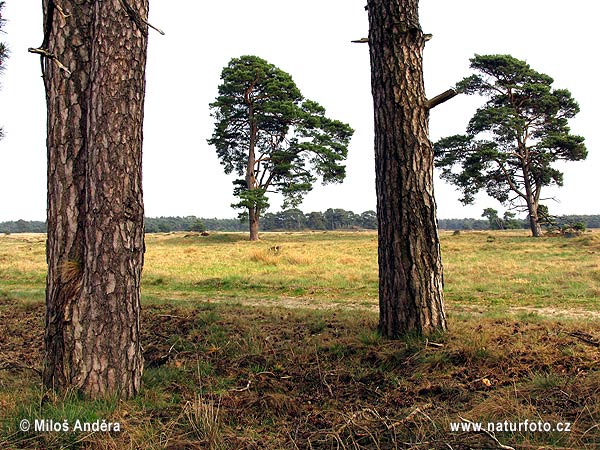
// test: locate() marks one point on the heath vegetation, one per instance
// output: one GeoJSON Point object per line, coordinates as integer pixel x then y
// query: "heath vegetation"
{"type": "Point", "coordinates": [275, 346]}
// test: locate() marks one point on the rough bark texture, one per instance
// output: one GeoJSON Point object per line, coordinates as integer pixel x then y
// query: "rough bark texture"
{"type": "Point", "coordinates": [253, 221]}
{"type": "Point", "coordinates": [534, 219]}
{"type": "Point", "coordinates": [95, 208]}
{"type": "Point", "coordinates": [410, 268]}
{"type": "Point", "coordinates": [532, 200]}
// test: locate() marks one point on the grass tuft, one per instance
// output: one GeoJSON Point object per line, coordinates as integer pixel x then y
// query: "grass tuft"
{"type": "Point", "coordinates": [203, 414]}
{"type": "Point", "coordinates": [264, 257]}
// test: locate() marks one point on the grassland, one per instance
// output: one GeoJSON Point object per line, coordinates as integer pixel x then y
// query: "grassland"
{"type": "Point", "coordinates": [273, 345]}
{"type": "Point", "coordinates": [484, 272]}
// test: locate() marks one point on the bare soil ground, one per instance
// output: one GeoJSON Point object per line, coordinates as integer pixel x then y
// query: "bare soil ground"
{"type": "Point", "coordinates": [224, 376]}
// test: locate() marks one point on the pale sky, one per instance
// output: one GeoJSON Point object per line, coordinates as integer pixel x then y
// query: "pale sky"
{"type": "Point", "coordinates": [311, 41]}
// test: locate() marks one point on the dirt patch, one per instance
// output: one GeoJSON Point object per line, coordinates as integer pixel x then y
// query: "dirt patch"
{"type": "Point", "coordinates": [21, 335]}
{"type": "Point", "coordinates": [371, 305]}
{"type": "Point", "coordinates": [222, 376]}
{"type": "Point", "coordinates": [556, 312]}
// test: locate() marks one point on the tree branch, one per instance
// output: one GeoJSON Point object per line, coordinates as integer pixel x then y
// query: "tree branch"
{"type": "Point", "coordinates": [588, 339]}
{"type": "Point", "coordinates": [490, 435]}
{"type": "Point", "coordinates": [439, 99]}
{"type": "Point", "coordinates": [269, 180]}
{"type": "Point", "coordinates": [61, 11]}
{"type": "Point", "coordinates": [537, 192]}
{"type": "Point", "coordinates": [138, 19]}
{"type": "Point", "coordinates": [513, 205]}
{"type": "Point", "coordinates": [134, 16]}
{"type": "Point", "coordinates": [509, 180]}
{"type": "Point", "coordinates": [152, 26]}
{"type": "Point", "coordinates": [45, 53]}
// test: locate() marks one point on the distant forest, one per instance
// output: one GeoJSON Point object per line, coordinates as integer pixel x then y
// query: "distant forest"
{"type": "Point", "coordinates": [296, 220]}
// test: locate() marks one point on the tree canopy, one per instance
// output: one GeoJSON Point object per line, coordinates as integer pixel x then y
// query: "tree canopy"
{"type": "Point", "coordinates": [273, 138]}
{"type": "Point", "coordinates": [513, 140]}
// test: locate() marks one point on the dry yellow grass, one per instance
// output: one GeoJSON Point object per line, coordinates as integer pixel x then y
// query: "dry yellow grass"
{"type": "Point", "coordinates": [491, 271]}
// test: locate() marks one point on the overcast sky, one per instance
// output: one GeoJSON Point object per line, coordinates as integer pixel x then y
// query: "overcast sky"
{"type": "Point", "coordinates": [309, 39]}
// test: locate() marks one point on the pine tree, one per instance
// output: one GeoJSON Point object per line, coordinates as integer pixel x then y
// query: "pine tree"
{"type": "Point", "coordinates": [411, 297]}
{"type": "Point", "coordinates": [93, 65]}
{"type": "Point", "coordinates": [273, 138]}
{"type": "Point", "coordinates": [514, 139]}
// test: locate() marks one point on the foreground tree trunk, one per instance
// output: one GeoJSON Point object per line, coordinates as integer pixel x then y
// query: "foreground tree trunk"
{"type": "Point", "coordinates": [94, 75]}
{"type": "Point", "coordinates": [410, 268]}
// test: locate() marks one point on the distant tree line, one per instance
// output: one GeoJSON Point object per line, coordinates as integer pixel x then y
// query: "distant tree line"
{"type": "Point", "coordinates": [190, 223]}
{"type": "Point", "coordinates": [23, 226]}
{"type": "Point", "coordinates": [296, 220]}
{"type": "Point", "coordinates": [507, 222]}
{"type": "Point", "coordinates": [287, 220]}
{"type": "Point", "coordinates": [332, 219]}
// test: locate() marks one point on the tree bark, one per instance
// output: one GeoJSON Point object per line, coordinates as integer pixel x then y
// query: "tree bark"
{"type": "Point", "coordinates": [534, 219]}
{"type": "Point", "coordinates": [532, 204]}
{"type": "Point", "coordinates": [253, 213]}
{"type": "Point", "coordinates": [95, 208]}
{"type": "Point", "coordinates": [410, 268]}
{"type": "Point", "coordinates": [253, 221]}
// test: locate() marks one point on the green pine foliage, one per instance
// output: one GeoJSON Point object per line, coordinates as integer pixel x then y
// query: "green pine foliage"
{"type": "Point", "coordinates": [513, 140]}
{"type": "Point", "coordinates": [273, 138]}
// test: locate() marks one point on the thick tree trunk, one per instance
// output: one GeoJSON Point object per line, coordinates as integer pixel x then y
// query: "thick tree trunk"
{"type": "Point", "coordinates": [410, 268]}
{"type": "Point", "coordinates": [253, 220]}
{"type": "Point", "coordinates": [95, 208]}
{"type": "Point", "coordinates": [534, 220]}
{"type": "Point", "coordinates": [532, 204]}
